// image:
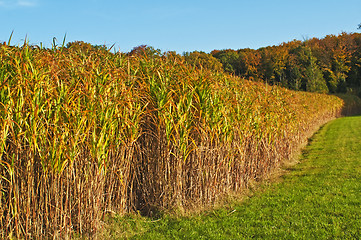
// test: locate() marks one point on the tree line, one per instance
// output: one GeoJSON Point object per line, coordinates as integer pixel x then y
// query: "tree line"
{"type": "Point", "coordinates": [329, 65]}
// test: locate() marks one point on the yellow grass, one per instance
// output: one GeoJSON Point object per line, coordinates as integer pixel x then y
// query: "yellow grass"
{"type": "Point", "coordinates": [85, 132]}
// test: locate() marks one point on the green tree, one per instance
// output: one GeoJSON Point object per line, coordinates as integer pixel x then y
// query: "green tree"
{"type": "Point", "coordinates": [312, 77]}
{"type": "Point", "coordinates": [293, 73]}
{"type": "Point", "coordinates": [230, 60]}
{"type": "Point", "coordinates": [267, 66]}
{"type": "Point", "coordinates": [203, 60]}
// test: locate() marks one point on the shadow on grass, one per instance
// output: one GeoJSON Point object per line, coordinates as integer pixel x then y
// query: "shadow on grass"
{"type": "Point", "coordinates": [352, 105]}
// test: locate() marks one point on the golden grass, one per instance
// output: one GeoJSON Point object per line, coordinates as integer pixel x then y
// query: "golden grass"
{"type": "Point", "coordinates": [85, 132]}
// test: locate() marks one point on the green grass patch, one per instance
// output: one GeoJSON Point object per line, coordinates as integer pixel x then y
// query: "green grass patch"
{"type": "Point", "coordinates": [319, 198]}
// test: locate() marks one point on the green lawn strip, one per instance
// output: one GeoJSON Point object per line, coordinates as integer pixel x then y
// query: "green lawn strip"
{"type": "Point", "coordinates": [320, 198]}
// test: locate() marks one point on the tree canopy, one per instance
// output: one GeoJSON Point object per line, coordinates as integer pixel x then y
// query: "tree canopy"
{"type": "Point", "coordinates": [331, 64]}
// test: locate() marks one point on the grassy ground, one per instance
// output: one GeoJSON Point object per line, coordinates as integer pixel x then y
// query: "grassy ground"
{"type": "Point", "coordinates": [319, 198]}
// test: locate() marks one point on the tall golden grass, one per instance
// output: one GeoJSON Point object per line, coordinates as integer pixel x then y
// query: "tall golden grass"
{"type": "Point", "coordinates": [85, 132]}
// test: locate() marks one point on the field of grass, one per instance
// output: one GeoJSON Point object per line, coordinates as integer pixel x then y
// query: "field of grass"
{"type": "Point", "coordinates": [319, 198]}
{"type": "Point", "coordinates": [85, 132]}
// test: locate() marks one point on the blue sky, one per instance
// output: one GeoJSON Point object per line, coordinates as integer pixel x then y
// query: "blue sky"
{"type": "Point", "coordinates": [186, 25]}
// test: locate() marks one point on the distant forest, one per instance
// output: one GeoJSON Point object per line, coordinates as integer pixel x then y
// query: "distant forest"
{"type": "Point", "coordinates": [329, 65]}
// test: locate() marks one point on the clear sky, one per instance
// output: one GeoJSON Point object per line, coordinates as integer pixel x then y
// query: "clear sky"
{"type": "Point", "coordinates": [182, 25]}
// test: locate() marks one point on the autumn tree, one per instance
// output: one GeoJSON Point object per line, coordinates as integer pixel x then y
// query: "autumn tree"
{"type": "Point", "coordinates": [145, 50]}
{"type": "Point", "coordinates": [334, 55]}
{"type": "Point", "coordinates": [331, 64]}
{"type": "Point", "coordinates": [249, 61]}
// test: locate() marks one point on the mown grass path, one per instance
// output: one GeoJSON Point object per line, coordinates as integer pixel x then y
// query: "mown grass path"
{"type": "Point", "coordinates": [320, 198]}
